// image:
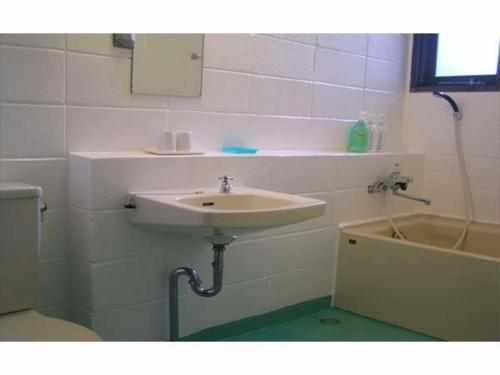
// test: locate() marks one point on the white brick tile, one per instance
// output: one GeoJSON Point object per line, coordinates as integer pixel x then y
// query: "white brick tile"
{"type": "Point", "coordinates": [301, 38]}
{"type": "Point", "coordinates": [383, 75]}
{"type": "Point", "coordinates": [100, 44]}
{"type": "Point", "coordinates": [143, 322]}
{"type": "Point", "coordinates": [79, 182]}
{"type": "Point", "coordinates": [53, 283]}
{"type": "Point", "coordinates": [210, 131]}
{"type": "Point", "coordinates": [388, 104]}
{"type": "Point", "coordinates": [30, 75]}
{"type": "Point", "coordinates": [81, 289]}
{"type": "Point", "coordinates": [443, 170]}
{"type": "Point", "coordinates": [98, 236]}
{"type": "Point", "coordinates": [337, 102]}
{"type": "Point", "coordinates": [31, 131]}
{"type": "Point", "coordinates": [246, 299]}
{"type": "Point", "coordinates": [358, 171]}
{"type": "Point", "coordinates": [280, 97]}
{"type": "Point", "coordinates": [227, 51]}
{"type": "Point", "coordinates": [330, 135]}
{"type": "Point", "coordinates": [114, 179]}
{"type": "Point", "coordinates": [54, 41]}
{"type": "Point", "coordinates": [448, 200]}
{"type": "Point", "coordinates": [288, 252]}
{"type": "Point", "coordinates": [221, 92]}
{"type": "Point", "coordinates": [243, 261]}
{"type": "Point", "coordinates": [54, 234]}
{"type": "Point", "coordinates": [302, 285]}
{"type": "Point", "coordinates": [277, 57]}
{"type": "Point", "coordinates": [390, 47]}
{"type": "Point", "coordinates": [479, 108]}
{"type": "Point", "coordinates": [266, 133]}
{"type": "Point", "coordinates": [441, 142]}
{"type": "Point", "coordinates": [481, 141]}
{"type": "Point", "coordinates": [98, 129]}
{"type": "Point", "coordinates": [357, 204]}
{"type": "Point", "coordinates": [307, 174]}
{"type": "Point", "coordinates": [339, 67]}
{"type": "Point", "coordinates": [486, 205]}
{"type": "Point", "coordinates": [356, 43]}
{"type": "Point", "coordinates": [104, 81]}
{"type": "Point", "coordinates": [424, 109]}
{"type": "Point", "coordinates": [249, 171]}
{"type": "Point", "coordinates": [129, 282]}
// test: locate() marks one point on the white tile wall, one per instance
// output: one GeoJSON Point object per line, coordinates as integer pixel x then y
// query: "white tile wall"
{"type": "Point", "coordinates": [277, 57]}
{"type": "Point", "coordinates": [354, 43]}
{"type": "Point", "coordinates": [429, 129]}
{"type": "Point", "coordinates": [104, 81]}
{"type": "Point", "coordinates": [84, 123]}
{"type": "Point", "coordinates": [326, 97]}
{"type": "Point", "coordinates": [32, 131]}
{"type": "Point", "coordinates": [244, 73]}
{"type": "Point", "coordinates": [31, 75]}
{"type": "Point", "coordinates": [50, 41]}
{"type": "Point", "coordinates": [120, 273]}
{"type": "Point", "coordinates": [339, 68]}
{"type": "Point", "coordinates": [227, 51]}
{"type": "Point", "coordinates": [391, 47]}
{"type": "Point", "coordinates": [274, 96]}
{"type": "Point", "coordinates": [70, 93]}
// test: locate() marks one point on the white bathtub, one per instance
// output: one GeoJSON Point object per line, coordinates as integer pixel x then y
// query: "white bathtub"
{"type": "Point", "coordinates": [420, 284]}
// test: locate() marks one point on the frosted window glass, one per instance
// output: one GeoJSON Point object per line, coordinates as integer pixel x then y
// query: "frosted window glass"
{"type": "Point", "coordinates": [464, 55]}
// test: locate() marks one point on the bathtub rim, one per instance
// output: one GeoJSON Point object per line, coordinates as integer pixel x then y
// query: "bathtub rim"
{"type": "Point", "coordinates": [350, 228]}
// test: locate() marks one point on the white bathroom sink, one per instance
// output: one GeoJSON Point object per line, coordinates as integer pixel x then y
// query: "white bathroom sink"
{"type": "Point", "coordinates": [220, 216]}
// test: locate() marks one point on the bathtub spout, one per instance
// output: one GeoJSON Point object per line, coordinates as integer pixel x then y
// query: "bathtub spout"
{"type": "Point", "coordinates": [412, 197]}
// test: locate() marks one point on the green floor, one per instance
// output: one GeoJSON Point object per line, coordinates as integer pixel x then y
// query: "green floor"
{"type": "Point", "coordinates": [346, 327]}
{"type": "Point", "coordinates": [313, 320]}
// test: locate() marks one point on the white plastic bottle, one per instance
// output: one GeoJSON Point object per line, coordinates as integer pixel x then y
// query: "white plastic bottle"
{"type": "Point", "coordinates": [374, 133]}
{"type": "Point", "coordinates": [381, 133]}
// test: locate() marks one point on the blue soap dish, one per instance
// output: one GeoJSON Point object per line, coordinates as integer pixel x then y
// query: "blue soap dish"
{"type": "Point", "coordinates": [239, 150]}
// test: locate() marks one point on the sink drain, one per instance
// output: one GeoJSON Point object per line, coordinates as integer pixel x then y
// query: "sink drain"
{"type": "Point", "coordinates": [330, 321]}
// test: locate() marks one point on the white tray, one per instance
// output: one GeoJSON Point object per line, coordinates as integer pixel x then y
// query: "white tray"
{"type": "Point", "coordinates": [157, 152]}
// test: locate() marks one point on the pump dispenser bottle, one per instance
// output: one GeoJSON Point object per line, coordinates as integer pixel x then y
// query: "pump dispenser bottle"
{"type": "Point", "coordinates": [359, 135]}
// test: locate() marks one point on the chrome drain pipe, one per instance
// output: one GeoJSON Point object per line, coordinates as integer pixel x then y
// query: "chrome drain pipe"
{"type": "Point", "coordinates": [195, 283]}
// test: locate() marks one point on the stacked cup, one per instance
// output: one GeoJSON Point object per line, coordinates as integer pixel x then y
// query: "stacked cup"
{"type": "Point", "coordinates": [174, 142]}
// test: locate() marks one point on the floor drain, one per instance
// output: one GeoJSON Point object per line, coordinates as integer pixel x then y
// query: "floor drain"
{"type": "Point", "coordinates": [330, 321]}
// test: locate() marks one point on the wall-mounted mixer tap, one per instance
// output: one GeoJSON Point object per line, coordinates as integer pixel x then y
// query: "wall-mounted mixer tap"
{"type": "Point", "coordinates": [226, 186]}
{"type": "Point", "coordinates": [396, 182]}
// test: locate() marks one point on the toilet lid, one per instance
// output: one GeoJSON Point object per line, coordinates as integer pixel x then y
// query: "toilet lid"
{"type": "Point", "coordinates": [32, 326]}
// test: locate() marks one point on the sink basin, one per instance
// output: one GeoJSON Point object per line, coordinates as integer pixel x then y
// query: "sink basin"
{"type": "Point", "coordinates": [218, 216]}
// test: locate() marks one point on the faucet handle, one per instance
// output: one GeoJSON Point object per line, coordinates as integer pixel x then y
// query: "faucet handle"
{"type": "Point", "coordinates": [226, 178]}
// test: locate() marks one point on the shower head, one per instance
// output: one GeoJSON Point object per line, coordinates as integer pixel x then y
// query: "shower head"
{"type": "Point", "coordinates": [450, 101]}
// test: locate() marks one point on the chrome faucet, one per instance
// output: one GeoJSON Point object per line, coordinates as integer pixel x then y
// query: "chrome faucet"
{"type": "Point", "coordinates": [226, 186]}
{"type": "Point", "coordinates": [396, 182]}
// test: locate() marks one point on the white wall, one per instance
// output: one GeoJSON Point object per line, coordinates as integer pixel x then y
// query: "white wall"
{"type": "Point", "coordinates": [429, 129]}
{"type": "Point", "coordinates": [62, 94]}
{"type": "Point", "coordinates": [120, 273]}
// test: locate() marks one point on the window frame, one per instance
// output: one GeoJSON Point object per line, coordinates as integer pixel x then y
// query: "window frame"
{"type": "Point", "coordinates": [423, 70]}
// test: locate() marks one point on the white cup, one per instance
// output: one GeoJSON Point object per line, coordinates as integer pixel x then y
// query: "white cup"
{"type": "Point", "coordinates": [166, 141]}
{"type": "Point", "coordinates": [183, 141]}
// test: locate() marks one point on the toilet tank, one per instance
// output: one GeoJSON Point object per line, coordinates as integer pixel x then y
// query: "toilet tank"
{"type": "Point", "coordinates": [19, 245]}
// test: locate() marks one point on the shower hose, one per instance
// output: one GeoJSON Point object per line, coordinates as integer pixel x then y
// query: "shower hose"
{"type": "Point", "coordinates": [468, 206]}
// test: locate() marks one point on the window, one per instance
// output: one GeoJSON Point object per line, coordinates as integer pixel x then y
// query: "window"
{"type": "Point", "coordinates": [455, 62]}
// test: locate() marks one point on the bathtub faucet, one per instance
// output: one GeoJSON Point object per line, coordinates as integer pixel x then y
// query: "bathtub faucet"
{"type": "Point", "coordinates": [396, 182]}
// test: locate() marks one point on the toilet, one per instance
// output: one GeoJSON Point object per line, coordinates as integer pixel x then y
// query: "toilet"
{"type": "Point", "coordinates": [20, 228]}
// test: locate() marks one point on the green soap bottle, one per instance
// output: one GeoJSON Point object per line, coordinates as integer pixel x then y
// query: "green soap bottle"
{"type": "Point", "coordinates": [359, 135]}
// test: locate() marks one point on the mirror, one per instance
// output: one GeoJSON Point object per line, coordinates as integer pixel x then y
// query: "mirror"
{"type": "Point", "coordinates": [166, 64]}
